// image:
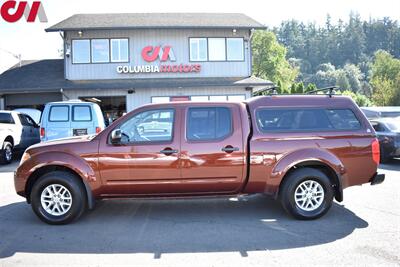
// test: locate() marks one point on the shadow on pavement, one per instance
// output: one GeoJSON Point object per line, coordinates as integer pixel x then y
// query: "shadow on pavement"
{"type": "Point", "coordinates": [173, 226]}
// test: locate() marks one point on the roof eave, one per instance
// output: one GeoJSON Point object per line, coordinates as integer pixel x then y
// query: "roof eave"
{"type": "Point", "coordinates": [55, 29]}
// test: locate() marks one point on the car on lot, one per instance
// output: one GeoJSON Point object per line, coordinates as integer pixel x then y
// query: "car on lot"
{"type": "Point", "coordinates": [381, 112]}
{"type": "Point", "coordinates": [303, 150]}
{"type": "Point", "coordinates": [70, 118]}
{"type": "Point", "coordinates": [388, 133]}
{"type": "Point", "coordinates": [17, 132]}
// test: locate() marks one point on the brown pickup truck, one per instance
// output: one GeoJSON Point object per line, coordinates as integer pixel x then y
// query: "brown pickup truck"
{"type": "Point", "coordinates": [303, 150]}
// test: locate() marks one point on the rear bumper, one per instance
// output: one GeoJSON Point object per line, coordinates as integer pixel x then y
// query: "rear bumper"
{"type": "Point", "coordinates": [377, 179]}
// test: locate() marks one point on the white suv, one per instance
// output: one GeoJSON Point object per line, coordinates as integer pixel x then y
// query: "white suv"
{"type": "Point", "coordinates": [17, 132]}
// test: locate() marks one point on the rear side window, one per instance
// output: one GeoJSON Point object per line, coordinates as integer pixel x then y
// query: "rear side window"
{"type": "Point", "coordinates": [81, 113]}
{"type": "Point", "coordinates": [23, 120]}
{"type": "Point", "coordinates": [6, 118]}
{"type": "Point", "coordinates": [287, 120]}
{"type": "Point", "coordinates": [59, 114]}
{"type": "Point", "coordinates": [211, 123]}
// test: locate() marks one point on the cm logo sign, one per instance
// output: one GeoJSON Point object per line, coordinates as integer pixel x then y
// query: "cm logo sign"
{"type": "Point", "coordinates": [12, 11]}
{"type": "Point", "coordinates": [151, 53]}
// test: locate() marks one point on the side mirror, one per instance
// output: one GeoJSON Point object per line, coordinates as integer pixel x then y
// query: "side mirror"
{"type": "Point", "coordinates": [116, 136]}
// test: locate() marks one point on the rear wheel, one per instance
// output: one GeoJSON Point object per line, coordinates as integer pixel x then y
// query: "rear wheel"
{"type": "Point", "coordinates": [306, 193]}
{"type": "Point", "coordinates": [7, 153]}
{"type": "Point", "coordinates": [58, 198]}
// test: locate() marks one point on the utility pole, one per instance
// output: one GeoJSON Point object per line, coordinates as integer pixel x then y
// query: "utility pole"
{"type": "Point", "coordinates": [17, 56]}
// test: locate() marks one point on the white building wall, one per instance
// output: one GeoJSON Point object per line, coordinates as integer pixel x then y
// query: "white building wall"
{"type": "Point", "coordinates": [143, 96]}
{"type": "Point", "coordinates": [140, 38]}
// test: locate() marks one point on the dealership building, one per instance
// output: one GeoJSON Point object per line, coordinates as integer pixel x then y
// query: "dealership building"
{"type": "Point", "coordinates": [123, 61]}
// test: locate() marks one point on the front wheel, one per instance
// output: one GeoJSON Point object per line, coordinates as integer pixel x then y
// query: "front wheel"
{"type": "Point", "coordinates": [306, 193]}
{"type": "Point", "coordinates": [58, 198]}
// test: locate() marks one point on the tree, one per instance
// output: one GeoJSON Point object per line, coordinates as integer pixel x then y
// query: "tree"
{"type": "Point", "coordinates": [384, 92]}
{"type": "Point", "coordinates": [361, 100]}
{"type": "Point", "coordinates": [269, 60]}
{"type": "Point", "coordinates": [385, 79]}
{"type": "Point", "coordinates": [354, 76]}
{"type": "Point", "coordinates": [341, 80]}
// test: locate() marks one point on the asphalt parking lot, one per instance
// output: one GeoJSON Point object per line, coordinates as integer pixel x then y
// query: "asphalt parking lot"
{"type": "Point", "coordinates": [362, 230]}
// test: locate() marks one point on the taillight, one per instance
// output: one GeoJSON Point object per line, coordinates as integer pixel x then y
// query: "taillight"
{"type": "Point", "coordinates": [376, 153]}
{"type": "Point", "coordinates": [42, 132]}
{"type": "Point", "coordinates": [98, 129]}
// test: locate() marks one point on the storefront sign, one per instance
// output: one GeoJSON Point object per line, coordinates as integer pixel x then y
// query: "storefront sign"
{"type": "Point", "coordinates": [150, 53]}
{"type": "Point", "coordinates": [12, 11]}
{"type": "Point", "coordinates": [165, 53]}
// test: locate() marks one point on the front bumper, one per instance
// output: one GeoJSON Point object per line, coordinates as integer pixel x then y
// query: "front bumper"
{"type": "Point", "coordinates": [377, 179]}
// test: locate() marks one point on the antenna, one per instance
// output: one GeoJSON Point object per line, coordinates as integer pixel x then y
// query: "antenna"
{"type": "Point", "coordinates": [17, 56]}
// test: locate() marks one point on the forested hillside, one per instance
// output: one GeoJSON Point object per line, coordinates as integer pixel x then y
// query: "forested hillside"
{"type": "Point", "coordinates": [361, 57]}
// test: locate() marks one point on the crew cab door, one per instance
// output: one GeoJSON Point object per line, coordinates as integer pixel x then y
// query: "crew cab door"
{"type": "Point", "coordinates": [212, 150]}
{"type": "Point", "coordinates": [146, 161]}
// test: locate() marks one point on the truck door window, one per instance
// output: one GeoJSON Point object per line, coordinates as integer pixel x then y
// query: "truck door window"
{"type": "Point", "coordinates": [211, 123]}
{"type": "Point", "coordinates": [149, 126]}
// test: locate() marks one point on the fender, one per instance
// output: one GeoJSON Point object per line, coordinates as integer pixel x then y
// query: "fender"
{"type": "Point", "coordinates": [305, 156]}
{"type": "Point", "coordinates": [84, 168]}
{"type": "Point", "coordinates": [75, 163]}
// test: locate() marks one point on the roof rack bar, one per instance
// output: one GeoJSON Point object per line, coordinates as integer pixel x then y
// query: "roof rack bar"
{"type": "Point", "coordinates": [330, 90]}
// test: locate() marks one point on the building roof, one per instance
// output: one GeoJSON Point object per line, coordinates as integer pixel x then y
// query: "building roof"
{"type": "Point", "coordinates": [48, 75]}
{"type": "Point", "coordinates": [156, 21]}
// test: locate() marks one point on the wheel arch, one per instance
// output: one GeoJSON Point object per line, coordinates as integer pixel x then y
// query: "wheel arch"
{"type": "Point", "coordinates": [39, 172]}
{"type": "Point", "coordinates": [317, 158]}
{"type": "Point", "coordinates": [8, 138]}
{"type": "Point", "coordinates": [328, 170]}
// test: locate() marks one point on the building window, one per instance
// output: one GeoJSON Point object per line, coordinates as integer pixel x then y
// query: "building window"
{"type": "Point", "coordinates": [119, 50]}
{"type": "Point", "coordinates": [216, 49]}
{"type": "Point", "coordinates": [100, 51]}
{"type": "Point", "coordinates": [198, 49]}
{"type": "Point", "coordinates": [234, 49]}
{"type": "Point", "coordinates": [236, 97]}
{"type": "Point", "coordinates": [202, 98]}
{"type": "Point", "coordinates": [80, 51]}
{"type": "Point", "coordinates": [218, 98]}
{"type": "Point", "coordinates": [160, 99]}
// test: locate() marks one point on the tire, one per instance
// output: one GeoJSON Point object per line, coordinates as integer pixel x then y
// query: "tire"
{"type": "Point", "coordinates": [309, 205]}
{"type": "Point", "coordinates": [70, 201]}
{"type": "Point", "coordinates": [7, 153]}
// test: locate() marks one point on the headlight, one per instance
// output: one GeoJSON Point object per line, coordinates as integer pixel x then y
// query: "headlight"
{"type": "Point", "coordinates": [24, 158]}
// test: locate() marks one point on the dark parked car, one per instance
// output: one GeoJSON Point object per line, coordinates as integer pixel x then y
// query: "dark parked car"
{"type": "Point", "coordinates": [381, 112]}
{"type": "Point", "coordinates": [388, 132]}
{"type": "Point", "coordinates": [303, 150]}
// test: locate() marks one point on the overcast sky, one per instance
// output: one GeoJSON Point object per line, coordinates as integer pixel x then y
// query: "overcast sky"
{"type": "Point", "coordinates": [32, 42]}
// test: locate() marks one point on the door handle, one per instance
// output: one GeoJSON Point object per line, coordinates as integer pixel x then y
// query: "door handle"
{"type": "Point", "coordinates": [230, 149]}
{"type": "Point", "coordinates": [168, 151]}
